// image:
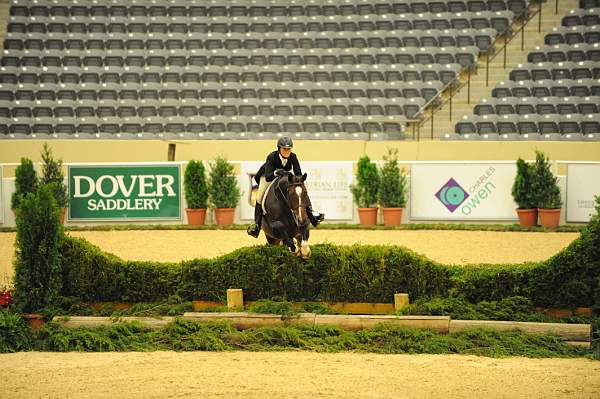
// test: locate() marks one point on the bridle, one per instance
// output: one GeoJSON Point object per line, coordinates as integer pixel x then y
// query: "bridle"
{"type": "Point", "coordinates": [294, 210]}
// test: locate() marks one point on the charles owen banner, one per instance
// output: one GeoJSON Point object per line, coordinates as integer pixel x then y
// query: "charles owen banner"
{"type": "Point", "coordinates": [462, 191]}
{"type": "Point", "coordinates": [583, 183]}
{"type": "Point", "coordinates": [125, 192]}
{"type": "Point", "coordinates": [328, 185]}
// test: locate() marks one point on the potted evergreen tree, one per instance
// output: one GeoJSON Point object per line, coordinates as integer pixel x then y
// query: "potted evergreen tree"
{"type": "Point", "coordinates": [223, 190]}
{"type": "Point", "coordinates": [26, 181]}
{"type": "Point", "coordinates": [392, 189]}
{"type": "Point", "coordinates": [547, 191]}
{"type": "Point", "coordinates": [53, 176]}
{"type": "Point", "coordinates": [523, 192]}
{"type": "Point", "coordinates": [38, 268]}
{"type": "Point", "coordinates": [196, 192]}
{"type": "Point", "coordinates": [365, 191]}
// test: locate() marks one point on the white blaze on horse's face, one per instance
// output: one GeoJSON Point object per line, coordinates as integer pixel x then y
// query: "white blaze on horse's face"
{"type": "Point", "coordinates": [299, 194]}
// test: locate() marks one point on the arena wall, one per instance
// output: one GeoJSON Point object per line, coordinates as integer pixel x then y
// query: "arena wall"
{"type": "Point", "coordinates": [72, 151]}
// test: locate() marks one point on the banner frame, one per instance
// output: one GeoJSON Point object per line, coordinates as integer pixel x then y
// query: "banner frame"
{"type": "Point", "coordinates": [484, 219]}
{"type": "Point", "coordinates": [122, 165]}
{"type": "Point", "coordinates": [569, 163]}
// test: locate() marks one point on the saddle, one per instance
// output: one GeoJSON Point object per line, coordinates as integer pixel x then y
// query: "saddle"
{"type": "Point", "coordinates": [262, 202]}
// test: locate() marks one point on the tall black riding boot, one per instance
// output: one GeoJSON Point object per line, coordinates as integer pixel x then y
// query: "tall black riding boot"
{"type": "Point", "coordinates": [315, 219]}
{"type": "Point", "coordinates": [254, 230]}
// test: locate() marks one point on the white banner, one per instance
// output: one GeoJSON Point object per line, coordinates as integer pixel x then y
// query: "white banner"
{"type": "Point", "coordinates": [328, 185]}
{"type": "Point", "coordinates": [462, 191]}
{"type": "Point", "coordinates": [583, 182]}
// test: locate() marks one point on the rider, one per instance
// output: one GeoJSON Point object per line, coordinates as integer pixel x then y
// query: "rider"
{"type": "Point", "coordinates": [277, 164]}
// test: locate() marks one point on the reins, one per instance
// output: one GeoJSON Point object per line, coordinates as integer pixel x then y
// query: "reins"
{"type": "Point", "coordinates": [286, 200]}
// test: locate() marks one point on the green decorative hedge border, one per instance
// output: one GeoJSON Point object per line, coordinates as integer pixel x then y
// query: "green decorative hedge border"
{"type": "Point", "coordinates": [188, 335]}
{"type": "Point", "coordinates": [358, 273]}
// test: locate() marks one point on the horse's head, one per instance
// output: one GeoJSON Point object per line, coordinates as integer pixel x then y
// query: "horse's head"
{"type": "Point", "coordinates": [298, 197]}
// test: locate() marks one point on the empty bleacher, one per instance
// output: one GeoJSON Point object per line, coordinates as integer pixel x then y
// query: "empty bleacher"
{"type": "Point", "coordinates": [555, 96]}
{"type": "Point", "coordinates": [205, 69]}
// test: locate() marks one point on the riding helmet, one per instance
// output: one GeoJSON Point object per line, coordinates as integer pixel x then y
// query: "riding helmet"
{"type": "Point", "coordinates": [285, 142]}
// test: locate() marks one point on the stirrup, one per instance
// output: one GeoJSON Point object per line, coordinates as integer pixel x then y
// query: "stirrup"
{"type": "Point", "coordinates": [316, 220]}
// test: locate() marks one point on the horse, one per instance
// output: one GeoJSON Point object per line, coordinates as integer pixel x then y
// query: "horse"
{"type": "Point", "coordinates": [286, 219]}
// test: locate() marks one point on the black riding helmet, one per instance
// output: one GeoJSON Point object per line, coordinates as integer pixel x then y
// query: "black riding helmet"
{"type": "Point", "coordinates": [285, 142]}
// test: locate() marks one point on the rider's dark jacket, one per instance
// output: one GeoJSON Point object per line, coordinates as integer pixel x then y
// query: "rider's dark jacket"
{"type": "Point", "coordinates": [273, 163]}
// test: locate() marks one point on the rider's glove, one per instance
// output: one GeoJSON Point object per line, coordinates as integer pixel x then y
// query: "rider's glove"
{"type": "Point", "coordinates": [280, 172]}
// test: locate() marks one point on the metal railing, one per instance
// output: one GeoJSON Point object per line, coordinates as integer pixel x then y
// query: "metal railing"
{"type": "Point", "coordinates": [427, 112]}
{"type": "Point", "coordinates": [508, 36]}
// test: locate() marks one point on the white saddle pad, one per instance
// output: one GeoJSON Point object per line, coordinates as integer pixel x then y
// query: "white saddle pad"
{"type": "Point", "coordinates": [265, 196]}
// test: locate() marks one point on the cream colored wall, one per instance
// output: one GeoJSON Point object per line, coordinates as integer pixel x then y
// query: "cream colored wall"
{"type": "Point", "coordinates": [308, 150]}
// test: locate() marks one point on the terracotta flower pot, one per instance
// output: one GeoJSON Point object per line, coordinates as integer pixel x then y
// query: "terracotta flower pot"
{"type": "Point", "coordinates": [224, 216]}
{"type": "Point", "coordinates": [549, 217]}
{"type": "Point", "coordinates": [35, 320]}
{"type": "Point", "coordinates": [367, 216]}
{"type": "Point", "coordinates": [527, 217]}
{"type": "Point", "coordinates": [196, 217]}
{"type": "Point", "coordinates": [392, 216]}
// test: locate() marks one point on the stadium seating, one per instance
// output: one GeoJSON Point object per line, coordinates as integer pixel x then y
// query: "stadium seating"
{"type": "Point", "coordinates": [555, 96]}
{"type": "Point", "coordinates": [208, 69]}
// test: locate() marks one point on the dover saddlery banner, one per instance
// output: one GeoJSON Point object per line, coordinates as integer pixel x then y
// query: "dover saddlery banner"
{"type": "Point", "coordinates": [462, 191]}
{"type": "Point", "coordinates": [125, 192]}
{"type": "Point", "coordinates": [583, 182]}
{"type": "Point", "coordinates": [328, 185]}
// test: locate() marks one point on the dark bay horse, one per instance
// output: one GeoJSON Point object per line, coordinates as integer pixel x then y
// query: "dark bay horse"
{"type": "Point", "coordinates": [286, 219]}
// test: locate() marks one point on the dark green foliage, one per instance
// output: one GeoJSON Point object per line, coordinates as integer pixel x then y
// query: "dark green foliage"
{"type": "Point", "coordinates": [571, 277]}
{"type": "Point", "coordinates": [333, 273]}
{"type": "Point", "coordinates": [38, 279]}
{"type": "Point", "coordinates": [93, 275]}
{"type": "Point", "coordinates": [545, 184]}
{"type": "Point", "coordinates": [194, 182]}
{"type": "Point", "coordinates": [392, 189]}
{"type": "Point", "coordinates": [284, 308]}
{"type": "Point", "coordinates": [53, 176]}
{"type": "Point", "coordinates": [596, 338]}
{"type": "Point", "coordinates": [187, 335]}
{"type": "Point", "coordinates": [367, 183]}
{"type": "Point", "coordinates": [14, 333]}
{"type": "Point", "coordinates": [25, 182]}
{"type": "Point", "coordinates": [515, 308]}
{"type": "Point", "coordinates": [523, 189]}
{"type": "Point", "coordinates": [73, 306]}
{"type": "Point", "coordinates": [359, 273]}
{"type": "Point", "coordinates": [223, 187]}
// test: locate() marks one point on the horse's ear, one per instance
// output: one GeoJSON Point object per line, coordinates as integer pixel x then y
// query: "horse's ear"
{"type": "Point", "coordinates": [290, 177]}
{"type": "Point", "coordinates": [304, 177]}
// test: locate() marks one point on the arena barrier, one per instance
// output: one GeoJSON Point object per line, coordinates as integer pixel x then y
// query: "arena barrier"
{"type": "Point", "coordinates": [439, 191]}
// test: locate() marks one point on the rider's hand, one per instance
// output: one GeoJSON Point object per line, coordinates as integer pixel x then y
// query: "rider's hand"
{"type": "Point", "coordinates": [280, 172]}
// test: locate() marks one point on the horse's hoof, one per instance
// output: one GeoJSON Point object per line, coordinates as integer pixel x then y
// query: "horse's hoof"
{"type": "Point", "coordinates": [305, 252]}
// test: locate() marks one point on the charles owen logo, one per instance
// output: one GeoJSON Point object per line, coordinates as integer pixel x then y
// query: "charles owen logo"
{"type": "Point", "coordinates": [452, 195]}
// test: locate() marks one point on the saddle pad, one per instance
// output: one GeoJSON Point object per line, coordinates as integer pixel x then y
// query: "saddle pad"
{"type": "Point", "coordinates": [262, 200]}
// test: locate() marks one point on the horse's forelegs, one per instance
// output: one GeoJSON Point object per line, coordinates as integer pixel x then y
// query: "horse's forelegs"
{"type": "Point", "coordinates": [280, 231]}
{"type": "Point", "coordinates": [304, 248]}
{"type": "Point", "coordinates": [273, 240]}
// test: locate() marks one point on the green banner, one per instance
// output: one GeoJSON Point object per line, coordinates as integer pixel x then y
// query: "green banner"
{"type": "Point", "coordinates": [125, 192]}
